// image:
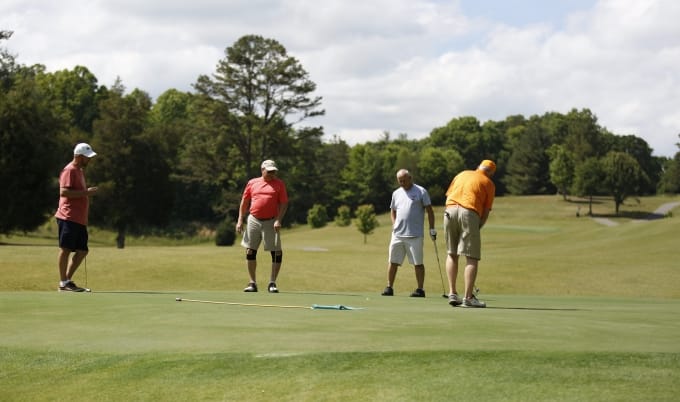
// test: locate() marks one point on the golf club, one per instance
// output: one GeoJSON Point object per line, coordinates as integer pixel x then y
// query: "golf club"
{"type": "Point", "coordinates": [86, 288]}
{"type": "Point", "coordinates": [436, 252]}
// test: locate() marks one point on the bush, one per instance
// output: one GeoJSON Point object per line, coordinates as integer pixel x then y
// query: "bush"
{"type": "Point", "coordinates": [317, 216]}
{"type": "Point", "coordinates": [344, 216]}
{"type": "Point", "coordinates": [225, 234]}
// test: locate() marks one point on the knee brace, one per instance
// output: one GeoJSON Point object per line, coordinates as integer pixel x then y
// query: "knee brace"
{"type": "Point", "coordinates": [251, 254]}
{"type": "Point", "coordinates": [277, 256]}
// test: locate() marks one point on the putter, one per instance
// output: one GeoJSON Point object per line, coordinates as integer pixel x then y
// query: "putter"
{"type": "Point", "coordinates": [86, 288]}
{"type": "Point", "coordinates": [436, 252]}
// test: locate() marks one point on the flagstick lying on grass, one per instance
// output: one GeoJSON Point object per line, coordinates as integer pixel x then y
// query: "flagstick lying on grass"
{"type": "Point", "coordinates": [312, 307]}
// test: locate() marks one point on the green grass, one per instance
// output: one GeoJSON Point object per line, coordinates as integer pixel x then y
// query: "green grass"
{"type": "Point", "coordinates": [578, 311]}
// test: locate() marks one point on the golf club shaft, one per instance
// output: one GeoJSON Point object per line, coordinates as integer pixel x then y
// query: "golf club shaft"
{"type": "Point", "coordinates": [439, 264]}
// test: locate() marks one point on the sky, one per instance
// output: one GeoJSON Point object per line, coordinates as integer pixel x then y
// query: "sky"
{"type": "Point", "coordinates": [398, 66]}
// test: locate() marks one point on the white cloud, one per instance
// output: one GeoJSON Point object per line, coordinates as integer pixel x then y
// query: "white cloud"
{"type": "Point", "coordinates": [406, 66]}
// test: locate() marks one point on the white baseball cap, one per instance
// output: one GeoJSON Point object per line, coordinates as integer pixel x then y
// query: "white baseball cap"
{"type": "Point", "coordinates": [84, 149]}
{"type": "Point", "coordinates": [269, 165]}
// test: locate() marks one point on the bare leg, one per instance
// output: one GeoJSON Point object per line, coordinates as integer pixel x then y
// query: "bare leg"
{"type": "Point", "coordinates": [420, 275]}
{"type": "Point", "coordinates": [452, 271]}
{"type": "Point", "coordinates": [391, 273]}
{"type": "Point", "coordinates": [77, 259]}
{"type": "Point", "coordinates": [63, 263]}
{"type": "Point", "coordinates": [470, 276]}
{"type": "Point", "coordinates": [252, 267]}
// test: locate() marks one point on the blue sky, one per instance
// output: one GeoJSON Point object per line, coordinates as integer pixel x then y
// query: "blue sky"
{"type": "Point", "coordinates": [403, 66]}
{"type": "Point", "coordinates": [525, 12]}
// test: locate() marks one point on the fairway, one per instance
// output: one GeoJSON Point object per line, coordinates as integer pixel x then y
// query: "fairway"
{"type": "Point", "coordinates": [578, 311]}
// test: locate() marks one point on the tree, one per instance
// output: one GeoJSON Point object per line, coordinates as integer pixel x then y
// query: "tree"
{"type": "Point", "coordinates": [561, 168]}
{"type": "Point", "coordinates": [584, 135]}
{"type": "Point", "coordinates": [308, 174]}
{"type": "Point", "coordinates": [622, 176]}
{"type": "Point", "coordinates": [436, 169]}
{"type": "Point", "coordinates": [588, 179]}
{"type": "Point", "coordinates": [670, 180]}
{"type": "Point", "coordinates": [641, 151]}
{"type": "Point", "coordinates": [30, 157]}
{"type": "Point", "coordinates": [74, 95]}
{"type": "Point", "coordinates": [366, 220]}
{"type": "Point", "coordinates": [261, 86]}
{"type": "Point", "coordinates": [528, 167]}
{"type": "Point", "coordinates": [131, 172]}
{"type": "Point", "coordinates": [364, 180]}
{"type": "Point", "coordinates": [464, 134]}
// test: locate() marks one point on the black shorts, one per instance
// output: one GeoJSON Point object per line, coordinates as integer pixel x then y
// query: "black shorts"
{"type": "Point", "coordinates": [72, 236]}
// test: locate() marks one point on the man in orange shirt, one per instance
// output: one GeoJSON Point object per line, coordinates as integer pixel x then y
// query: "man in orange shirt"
{"type": "Point", "coordinates": [468, 202]}
{"type": "Point", "coordinates": [265, 200]}
{"type": "Point", "coordinates": [72, 216]}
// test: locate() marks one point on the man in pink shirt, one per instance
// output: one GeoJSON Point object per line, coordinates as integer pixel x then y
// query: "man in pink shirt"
{"type": "Point", "coordinates": [72, 213]}
{"type": "Point", "coordinates": [265, 200]}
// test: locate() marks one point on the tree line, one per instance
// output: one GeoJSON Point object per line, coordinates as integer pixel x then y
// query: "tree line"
{"type": "Point", "coordinates": [179, 163]}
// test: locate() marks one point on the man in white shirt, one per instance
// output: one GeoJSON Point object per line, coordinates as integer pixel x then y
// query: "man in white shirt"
{"type": "Point", "coordinates": [408, 206]}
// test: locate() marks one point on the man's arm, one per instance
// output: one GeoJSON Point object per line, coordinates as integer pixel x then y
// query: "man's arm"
{"type": "Point", "coordinates": [484, 217]}
{"type": "Point", "coordinates": [430, 216]}
{"type": "Point", "coordinates": [283, 207]}
{"type": "Point", "coordinates": [242, 210]}
{"type": "Point", "coordinates": [68, 193]}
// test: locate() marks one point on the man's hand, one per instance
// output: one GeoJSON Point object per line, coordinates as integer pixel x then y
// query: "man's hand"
{"type": "Point", "coordinates": [433, 234]}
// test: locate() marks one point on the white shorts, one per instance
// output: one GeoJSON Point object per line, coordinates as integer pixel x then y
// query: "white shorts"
{"type": "Point", "coordinates": [400, 247]}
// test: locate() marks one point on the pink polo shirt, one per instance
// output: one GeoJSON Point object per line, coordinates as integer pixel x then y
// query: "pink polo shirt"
{"type": "Point", "coordinates": [73, 209]}
{"type": "Point", "coordinates": [265, 196]}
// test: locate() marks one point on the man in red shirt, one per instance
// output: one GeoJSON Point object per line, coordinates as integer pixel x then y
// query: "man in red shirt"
{"type": "Point", "coordinates": [468, 202]}
{"type": "Point", "coordinates": [266, 200]}
{"type": "Point", "coordinates": [72, 214]}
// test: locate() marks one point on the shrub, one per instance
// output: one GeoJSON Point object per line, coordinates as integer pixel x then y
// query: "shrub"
{"type": "Point", "coordinates": [225, 234]}
{"type": "Point", "coordinates": [344, 216]}
{"type": "Point", "coordinates": [317, 216]}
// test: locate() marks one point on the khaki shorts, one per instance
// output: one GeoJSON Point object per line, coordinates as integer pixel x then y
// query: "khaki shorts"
{"type": "Point", "coordinates": [462, 232]}
{"type": "Point", "coordinates": [401, 247]}
{"type": "Point", "coordinates": [257, 231]}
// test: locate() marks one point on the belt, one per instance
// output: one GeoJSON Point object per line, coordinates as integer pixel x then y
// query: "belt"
{"type": "Point", "coordinates": [264, 219]}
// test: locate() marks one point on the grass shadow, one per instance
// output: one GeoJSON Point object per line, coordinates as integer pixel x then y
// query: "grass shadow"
{"type": "Point", "coordinates": [27, 244]}
{"type": "Point", "coordinates": [637, 215]}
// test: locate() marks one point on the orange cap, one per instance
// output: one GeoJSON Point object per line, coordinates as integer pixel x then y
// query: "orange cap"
{"type": "Point", "coordinates": [489, 165]}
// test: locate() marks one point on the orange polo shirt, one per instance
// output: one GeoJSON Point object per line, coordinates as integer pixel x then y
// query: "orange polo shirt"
{"type": "Point", "coordinates": [473, 190]}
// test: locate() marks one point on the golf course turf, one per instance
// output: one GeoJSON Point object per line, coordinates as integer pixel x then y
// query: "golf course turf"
{"type": "Point", "coordinates": [577, 311]}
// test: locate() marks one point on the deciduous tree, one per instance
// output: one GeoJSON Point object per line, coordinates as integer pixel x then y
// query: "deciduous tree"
{"type": "Point", "coordinates": [622, 176]}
